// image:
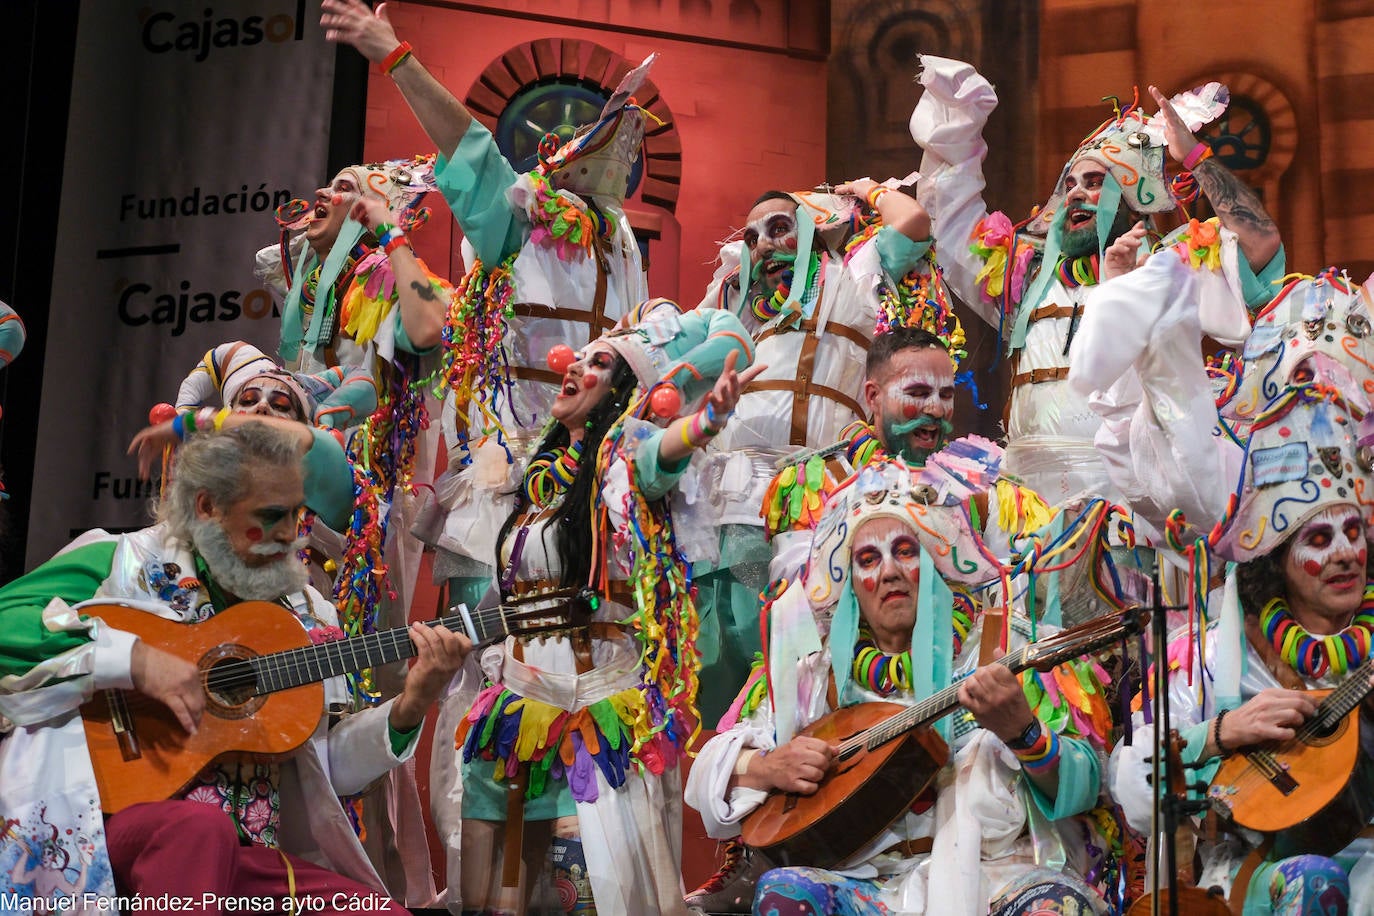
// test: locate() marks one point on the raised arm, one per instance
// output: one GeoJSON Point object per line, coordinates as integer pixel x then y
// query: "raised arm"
{"type": "Point", "coordinates": [441, 115]}
{"type": "Point", "coordinates": [1238, 208]}
{"type": "Point", "coordinates": [422, 309]}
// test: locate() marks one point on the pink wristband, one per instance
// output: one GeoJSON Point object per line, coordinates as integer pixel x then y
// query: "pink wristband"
{"type": "Point", "coordinates": [1197, 154]}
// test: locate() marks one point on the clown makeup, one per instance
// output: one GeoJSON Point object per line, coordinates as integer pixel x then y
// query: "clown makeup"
{"type": "Point", "coordinates": [770, 235]}
{"type": "Point", "coordinates": [1324, 569]}
{"type": "Point", "coordinates": [886, 554]}
{"type": "Point", "coordinates": [329, 216]}
{"type": "Point", "coordinates": [264, 395]}
{"type": "Point", "coordinates": [912, 402]}
{"type": "Point", "coordinates": [885, 568]}
{"type": "Point", "coordinates": [585, 383]}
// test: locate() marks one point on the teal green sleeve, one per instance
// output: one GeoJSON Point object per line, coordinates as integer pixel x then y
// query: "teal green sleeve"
{"type": "Point", "coordinates": [711, 335]}
{"type": "Point", "coordinates": [899, 254]}
{"type": "Point", "coordinates": [1195, 740]}
{"type": "Point", "coordinates": [653, 478]}
{"type": "Point", "coordinates": [73, 576]}
{"type": "Point", "coordinates": [474, 182]}
{"type": "Point", "coordinates": [1259, 288]}
{"type": "Point", "coordinates": [401, 740]}
{"type": "Point", "coordinates": [1080, 779]}
{"type": "Point", "coordinates": [328, 480]}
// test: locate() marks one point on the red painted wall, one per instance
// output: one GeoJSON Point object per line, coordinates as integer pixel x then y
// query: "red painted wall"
{"type": "Point", "coordinates": [748, 120]}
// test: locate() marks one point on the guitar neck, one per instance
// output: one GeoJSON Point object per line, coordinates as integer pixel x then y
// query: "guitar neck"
{"type": "Point", "coordinates": [1343, 700]}
{"type": "Point", "coordinates": [934, 707]}
{"type": "Point", "coordinates": [309, 664]}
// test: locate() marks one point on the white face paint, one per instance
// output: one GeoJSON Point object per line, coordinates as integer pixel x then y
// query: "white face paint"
{"type": "Point", "coordinates": [586, 381]}
{"type": "Point", "coordinates": [886, 555]}
{"type": "Point", "coordinates": [264, 395]}
{"type": "Point", "coordinates": [1331, 535]}
{"type": "Point", "coordinates": [775, 231]}
{"type": "Point", "coordinates": [885, 569]}
{"type": "Point", "coordinates": [1324, 568]}
{"type": "Point", "coordinates": [915, 388]}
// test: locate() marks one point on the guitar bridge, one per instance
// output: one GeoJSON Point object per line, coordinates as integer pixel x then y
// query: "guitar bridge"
{"type": "Point", "coordinates": [121, 722]}
{"type": "Point", "coordinates": [1272, 770]}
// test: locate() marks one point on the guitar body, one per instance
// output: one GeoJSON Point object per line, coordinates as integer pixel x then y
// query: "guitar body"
{"type": "Point", "coordinates": [138, 748]}
{"type": "Point", "coordinates": [864, 792]}
{"type": "Point", "coordinates": [1314, 795]}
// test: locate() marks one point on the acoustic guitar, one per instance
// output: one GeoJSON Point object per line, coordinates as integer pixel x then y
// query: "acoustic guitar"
{"type": "Point", "coordinates": [263, 686]}
{"type": "Point", "coordinates": [1314, 792]}
{"type": "Point", "coordinates": [886, 755]}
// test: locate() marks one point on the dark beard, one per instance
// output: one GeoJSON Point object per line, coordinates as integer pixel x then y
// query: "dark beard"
{"type": "Point", "coordinates": [251, 583]}
{"type": "Point", "coordinates": [1076, 243]}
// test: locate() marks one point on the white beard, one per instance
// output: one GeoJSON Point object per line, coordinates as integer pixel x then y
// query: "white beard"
{"type": "Point", "coordinates": [251, 583]}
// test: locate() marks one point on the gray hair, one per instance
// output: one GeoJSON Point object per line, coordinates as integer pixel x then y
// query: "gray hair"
{"type": "Point", "coordinates": [222, 465]}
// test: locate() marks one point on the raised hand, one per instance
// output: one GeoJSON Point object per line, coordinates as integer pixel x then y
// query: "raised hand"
{"type": "Point", "coordinates": [350, 22]}
{"type": "Point", "coordinates": [1122, 256]}
{"type": "Point", "coordinates": [1181, 140]}
{"type": "Point", "coordinates": [731, 384]}
{"type": "Point", "coordinates": [150, 444]}
{"type": "Point", "coordinates": [371, 210]}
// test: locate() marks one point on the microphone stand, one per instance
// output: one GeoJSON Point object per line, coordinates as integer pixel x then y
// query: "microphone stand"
{"type": "Point", "coordinates": [1166, 769]}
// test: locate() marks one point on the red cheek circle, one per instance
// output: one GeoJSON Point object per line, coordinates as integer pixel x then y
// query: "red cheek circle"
{"type": "Point", "coordinates": [589, 381]}
{"type": "Point", "coordinates": [870, 583]}
{"type": "Point", "coordinates": [336, 200]}
{"type": "Point", "coordinates": [910, 411]}
{"type": "Point", "coordinates": [253, 534]}
{"type": "Point", "coordinates": [790, 243]}
{"type": "Point", "coordinates": [1311, 567]}
{"type": "Point", "coordinates": [1359, 557]}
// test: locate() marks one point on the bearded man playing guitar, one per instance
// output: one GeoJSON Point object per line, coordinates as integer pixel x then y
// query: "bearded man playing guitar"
{"type": "Point", "coordinates": [242, 827]}
{"type": "Point", "coordinates": [967, 845]}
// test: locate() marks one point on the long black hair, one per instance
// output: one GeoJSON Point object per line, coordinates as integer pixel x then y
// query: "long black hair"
{"type": "Point", "coordinates": [572, 520]}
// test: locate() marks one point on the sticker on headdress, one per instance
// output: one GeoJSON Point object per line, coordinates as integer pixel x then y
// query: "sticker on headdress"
{"type": "Point", "coordinates": [1279, 464]}
{"type": "Point", "coordinates": [1265, 338]}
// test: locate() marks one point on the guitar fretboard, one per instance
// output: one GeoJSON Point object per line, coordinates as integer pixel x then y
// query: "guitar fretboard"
{"type": "Point", "coordinates": [294, 667]}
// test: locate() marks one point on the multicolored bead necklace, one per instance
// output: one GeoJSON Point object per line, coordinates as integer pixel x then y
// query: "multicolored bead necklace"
{"type": "Point", "coordinates": [551, 473]}
{"type": "Point", "coordinates": [1313, 656]}
{"type": "Point", "coordinates": [766, 308]}
{"type": "Point", "coordinates": [1082, 271]}
{"type": "Point", "coordinates": [886, 674]}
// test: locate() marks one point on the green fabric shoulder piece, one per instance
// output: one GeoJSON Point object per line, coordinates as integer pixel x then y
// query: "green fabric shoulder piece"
{"type": "Point", "coordinates": [73, 576]}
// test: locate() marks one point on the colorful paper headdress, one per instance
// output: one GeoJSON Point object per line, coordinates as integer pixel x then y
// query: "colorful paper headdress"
{"type": "Point", "coordinates": [598, 159]}
{"type": "Point", "coordinates": [1132, 149]}
{"type": "Point", "coordinates": [1302, 457]}
{"type": "Point", "coordinates": [662, 343]}
{"type": "Point", "coordinates": [333, 398]}
{"type": "Point", "coordinates": [403, 182]}
{"type": "Point", "coordinates": [1326, 314]}
{"type": "Point", "coordinates": [891, 489]}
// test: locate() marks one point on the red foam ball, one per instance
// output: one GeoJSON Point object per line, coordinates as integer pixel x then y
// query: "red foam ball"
{"type": "Point", "coordinates": [561, 356]}
{"type": "Point", "coordinates": [665, 401]}
{"type": "Point", "coordinates": [161, 413]}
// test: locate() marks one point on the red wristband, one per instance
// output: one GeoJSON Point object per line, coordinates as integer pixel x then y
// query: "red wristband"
{"type": "Point", "coordinates": [397, 241]}
{"type": "Point", "coordinates": [1200, 153]}
{"type": "Point", "coordinates": [398, 54]}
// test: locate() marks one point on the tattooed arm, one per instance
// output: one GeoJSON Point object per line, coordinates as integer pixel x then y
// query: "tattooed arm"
{"type": "Point", "coordinates": [1238, 207]}
{"type": "Point", "coordinates": [422, 310]}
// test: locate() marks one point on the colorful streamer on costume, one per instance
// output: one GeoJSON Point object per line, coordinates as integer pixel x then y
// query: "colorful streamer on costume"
{"type": "Point", "coordinates": [382, 453]}
{"type": "Point", "coordinates": [473, 360]}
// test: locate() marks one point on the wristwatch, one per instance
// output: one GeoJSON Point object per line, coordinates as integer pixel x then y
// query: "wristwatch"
{"type": "Point", "coordinates": [1027, 738]}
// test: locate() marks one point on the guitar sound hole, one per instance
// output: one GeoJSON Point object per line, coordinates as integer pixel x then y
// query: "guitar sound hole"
{"type": "Point", "coordinates": [230, 683]}
{"type": "Point", "coordinates": [1323, 729]}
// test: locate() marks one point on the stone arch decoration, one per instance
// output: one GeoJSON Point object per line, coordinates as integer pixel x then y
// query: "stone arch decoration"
{"type": "Point", "coordinates": [1259, 111]}
{"type": "Point", "coordinates": [536, 68]}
